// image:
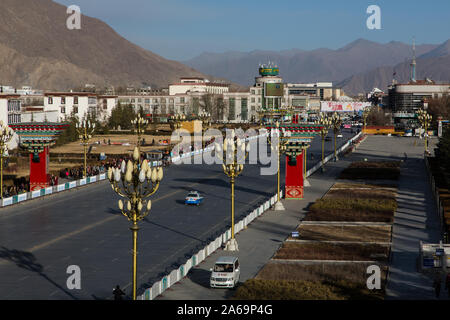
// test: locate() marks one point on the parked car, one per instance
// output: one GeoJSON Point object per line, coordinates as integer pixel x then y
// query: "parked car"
{"type": "Point", "coordinates": [340, 136]}
{"type": "Point", "coordinates": [193, 197]}
{"type": "Point", "coordinates": [226, 273]}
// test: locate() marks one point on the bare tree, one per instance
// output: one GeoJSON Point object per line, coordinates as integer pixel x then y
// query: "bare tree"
{"type": "Point", "coordinates": [215, 105]}
{"type": "Point", "coordinates": [439, 107]}
{"type": "Point", "coordinates": [378, 117]}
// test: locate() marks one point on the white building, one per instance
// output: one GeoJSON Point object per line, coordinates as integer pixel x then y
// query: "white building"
{"type": "Point", "coordinates": [10, 113]}
{"type": "Point", "coordinates": [197, 85]}
{"type": "Point", "coordinates": [10, 108]}
{"type": "Point", "coordinates": [67, 103]}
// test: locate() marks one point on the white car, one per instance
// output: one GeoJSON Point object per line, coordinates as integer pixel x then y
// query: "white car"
{"type": "Point", "coordinates": [226, 273]}
{"type": "Point", "coordinates": [340, 136]}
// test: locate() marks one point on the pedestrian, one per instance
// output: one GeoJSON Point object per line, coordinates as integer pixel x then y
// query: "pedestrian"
{"type": "Point", "coordinates": [118, 293]}
{"type": "Point", "coordinates": [437, 286]}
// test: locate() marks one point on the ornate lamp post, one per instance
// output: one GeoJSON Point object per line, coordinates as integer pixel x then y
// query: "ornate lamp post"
{"type": "Point", "coordinates": [325, 122]}
{"type": "Point", "coordinates": [280, 148]}
{"type": "Point", "coordinates": [365, 114]}
{"type": "Point", "coordinates": [135, 181]}
{"type": "Point", "coordinates": [85, 131]}
{"type": "Point", "coordinates": [205, 117]}
{"type": "Point", "coordinates": [6, 135]}
{"type": "Point", "coordinates": [235, 152]}
{"type": "Point", "coordinates": [176, 123]}
{"type": "Point", "coordinates": [336, 125]}
{"type": "Point", "coordinates": [425, 122]}
{"type": "Point", "coordinates": [139, 125]}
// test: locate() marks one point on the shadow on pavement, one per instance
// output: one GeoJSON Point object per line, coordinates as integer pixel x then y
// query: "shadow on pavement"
{"type": "Point", "coordinates": [27, 261]}
{"type": "Point", "coordinates": [200, 277]}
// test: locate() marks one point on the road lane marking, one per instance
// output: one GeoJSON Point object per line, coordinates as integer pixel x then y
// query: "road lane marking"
{"type": "Point", "coordinates": [98, 223]}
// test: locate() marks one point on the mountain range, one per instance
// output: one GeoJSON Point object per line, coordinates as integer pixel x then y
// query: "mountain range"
{"type": "Point", "coordinates": [37, 49]}
{"type": "Point", "coordinates": [357, 67]}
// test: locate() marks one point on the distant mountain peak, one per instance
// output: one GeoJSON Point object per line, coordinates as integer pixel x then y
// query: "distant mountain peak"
{"type": "Point", "coordinates": [49, 56]}
{"type": "Point", "coordinates": [296, 66]}
{"type": "Point", "coordinates": [359, 43]}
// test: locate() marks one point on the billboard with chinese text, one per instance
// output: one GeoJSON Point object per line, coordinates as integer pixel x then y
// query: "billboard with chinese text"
{"type": "Point", "coordinates": [333, 106]}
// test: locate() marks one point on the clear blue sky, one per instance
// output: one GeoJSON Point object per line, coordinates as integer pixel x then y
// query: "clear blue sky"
{"type": "Point", "coordinates": [182, 29]}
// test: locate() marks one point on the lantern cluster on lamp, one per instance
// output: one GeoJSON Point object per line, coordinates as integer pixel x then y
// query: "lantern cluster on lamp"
{"type": "Point", "coordinates": [176, 120]}
{"type": "Point", "coordinates": [235, 152]}
{"type": "Point", "coordinates": [280, 148]}
{"type": "Point", "coordinates": [85, 130]}
{"type": "Point", "coordinates": [336, 123]}
{"type": "Point", "coordinates": [425, 122]}
{"type": "Point", "coordinates": [325, 122]}
{"type": "Point", "coordinates": [135, 181]}
{"type": "Point", "coordinates": [6, 135]}
{"type": "Point", "coordinates": [139, 124]}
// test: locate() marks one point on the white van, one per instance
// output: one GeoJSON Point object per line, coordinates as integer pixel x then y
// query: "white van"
{"type": "Point", "coordinates": [225, 273]}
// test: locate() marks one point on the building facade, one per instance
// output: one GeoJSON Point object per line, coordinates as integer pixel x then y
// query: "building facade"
{"type": "Point", "coordinates": [404, 100]}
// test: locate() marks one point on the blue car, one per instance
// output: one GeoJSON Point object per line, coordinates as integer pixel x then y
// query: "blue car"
{"type": "Point", "coordinates": [193, 197]}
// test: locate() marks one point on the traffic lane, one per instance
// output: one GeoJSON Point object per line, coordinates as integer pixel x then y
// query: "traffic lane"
{"type": "Point", "coordinates": [316, 146]}
{"type": "Point", "coordinates": [34, 223]}
{"type": "Point", "coordinates": [105, 250]}
{"type": "Point", "coordinates": [45, 219]}
{"type": "Point", "coordinates": [257, 244]}
{"type": "Point", "coordinates": [115, 260]}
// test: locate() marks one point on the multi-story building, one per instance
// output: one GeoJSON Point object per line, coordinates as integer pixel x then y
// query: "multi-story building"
{"type": "Point", "coordinates": [68, 103]}
{"type": "Point", "coordinates": [190, 96]}
{"type": "Point", "coordinates": [405, 99]}
{"type": "Point", "coordinates": [79, 104]}
{"type": "Point", "coordinates": [10, 108]}
{"type": "Point", "coordinates": [197, 85]}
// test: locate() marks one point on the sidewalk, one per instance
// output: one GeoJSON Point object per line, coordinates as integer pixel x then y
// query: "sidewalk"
{"type": "Point", "coordinates": [258, 243]}
{"type": "Point", "coordinates": [415, 219]}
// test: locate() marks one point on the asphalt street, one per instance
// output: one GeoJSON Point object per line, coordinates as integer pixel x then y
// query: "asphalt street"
{"type": "Point", "coordinates": [40, 239]}
{"type": "Point", "coordinates": [416, 219]}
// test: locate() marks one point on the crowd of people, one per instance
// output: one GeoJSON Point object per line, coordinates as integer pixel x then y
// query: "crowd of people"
{"type": "Point", "coordinates": [20, 185]}
{"type": "Point", "coordinates": [78, 172]}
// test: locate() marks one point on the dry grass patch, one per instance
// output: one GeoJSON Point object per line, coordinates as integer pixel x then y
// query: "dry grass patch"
{"type": "Point", "coordinates": [345, 233]}
{"type": "Point", "coordinates": [375, 164]}
{"type": "Point", "coordinates": [368, 210]}
{"type": "Point", "coordinates": [372, 170]}
{"type": "Point", "coordinates": [329, 251]}
{"type": "Point", "coordinates": [255, 289]}
{"type": "Point", "coordinates": [76, 147]}
{"type": "Point", "coordinates": [360, 194]}
{"type": "Point", "coordinates": [348, 185]}
{"type": "Point", "coordinates": [351, 272]}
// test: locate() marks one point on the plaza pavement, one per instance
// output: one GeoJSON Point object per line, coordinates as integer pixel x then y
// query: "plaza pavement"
{"type": "Point", "coordinates": [415, 220]}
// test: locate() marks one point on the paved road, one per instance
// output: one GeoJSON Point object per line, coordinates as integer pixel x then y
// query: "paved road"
{"type": "Point", "coordinates": [258, 243]}
{"type": "Point", "coordinates": [39, 239]}
{"type": "Point", "coordinates": [263, 238]}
